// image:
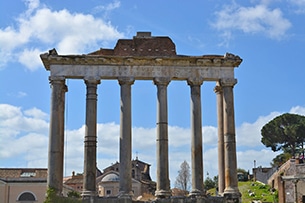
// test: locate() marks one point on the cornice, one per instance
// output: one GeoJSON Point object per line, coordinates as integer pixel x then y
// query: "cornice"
{"type": "Point", "coordinates": [228, 60]}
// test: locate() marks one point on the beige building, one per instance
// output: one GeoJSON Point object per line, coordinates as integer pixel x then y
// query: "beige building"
{"type": "Point", "coordinates": [25, 185]}
{"type": "Point", "coordinates": [109, 185]}
{"type": "Point", "coordinates": [22, 185]}
{"type": "Point", "coordinates": [289, 179]}
{"type": "Point", "coordinates": [108, 182]}
{"type": "Point", "coordinates": [75, 181]}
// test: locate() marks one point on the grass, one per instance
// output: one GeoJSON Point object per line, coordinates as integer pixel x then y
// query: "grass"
{"type": "Point", "coordinates": [261, 192]}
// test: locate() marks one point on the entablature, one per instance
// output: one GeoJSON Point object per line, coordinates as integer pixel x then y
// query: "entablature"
{"type": "Point", "coordinates": [209, 67]}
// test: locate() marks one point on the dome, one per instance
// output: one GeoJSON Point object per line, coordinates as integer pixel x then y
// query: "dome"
{"type": "Point", "coordinates": [110, 177]}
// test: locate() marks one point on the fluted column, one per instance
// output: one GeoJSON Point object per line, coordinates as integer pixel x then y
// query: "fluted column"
{"type": "Point", "coordinates": [196, 137]}
{"type": "Point", "coordinates": [89, 178]}
{"type": "Point", "coordinates": [125, 138]}
{"type": "Point", "coordinates": [221, 158]}
{"type": "Point", "coordinates": [231, 183]}
{"type": "Point", "coordinates": [56, 134]}
{"type": "Point", "coordinates": [163, 184]}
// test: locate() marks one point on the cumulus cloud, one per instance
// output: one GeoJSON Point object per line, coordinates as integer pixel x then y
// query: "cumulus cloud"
{"type": "Point", "coordinates": [258, 19]}
{"type": "Point", "coordinates": [300, 5]}
{"type": "Point", "coordinates": [25, 139]}
{"type": "Point", "coordinates": [69, 32]}
{"type": "Point", "coordinates": [13, 119]}
{"type": "Point", "coordinates": [36, 113]}
{"type": "Point", "coordinates": [23, 133]}
{"type": "Point", "coordinates": [249, 134]}
{"type": "Point", "coordinates": [30, 58]}
{"type": "Point", "coordinates": [262, 157]}
{"type": "Point", "coordinates": [298, 110]}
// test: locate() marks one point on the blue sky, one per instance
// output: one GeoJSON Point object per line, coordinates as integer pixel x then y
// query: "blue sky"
{"type": "Point", "coordinates": [269, 35]}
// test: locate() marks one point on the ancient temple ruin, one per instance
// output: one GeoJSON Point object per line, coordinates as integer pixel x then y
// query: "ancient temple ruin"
{"type": "Point", "coordinates": [145, 57]}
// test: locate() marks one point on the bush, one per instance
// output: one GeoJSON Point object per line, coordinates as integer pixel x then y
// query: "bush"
{"type": "Point", "coordinates": [51, 197]}
{"type": "Point", "coordinates": [74, 194]}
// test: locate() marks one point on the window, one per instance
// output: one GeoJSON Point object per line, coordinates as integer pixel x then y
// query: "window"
{"type": "Point", "coordinates": [108, 192]}
{"type": "Point", "coordinates": [28, 174]}
{"type": "Point", "coordinates": [26, 197]}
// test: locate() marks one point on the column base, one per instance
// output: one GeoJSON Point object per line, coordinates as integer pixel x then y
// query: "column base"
{"type": "Point", "coordinates": [89, 195]}
{"type": "Point", "coordinates": [125, 195]}
{"type": "Point", "coordinates": [232, 195]}
{"type": "Point", "coordinates": [163, 194]}
{"type": "Point", "coordinates": [196, 193]}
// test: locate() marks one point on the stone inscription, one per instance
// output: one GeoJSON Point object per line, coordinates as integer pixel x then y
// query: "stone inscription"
{"type": "Point", "coordinates": [141, 72]}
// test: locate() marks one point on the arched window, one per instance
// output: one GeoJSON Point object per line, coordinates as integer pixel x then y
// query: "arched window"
{"type": "Point", "coordinates": [26, 197]}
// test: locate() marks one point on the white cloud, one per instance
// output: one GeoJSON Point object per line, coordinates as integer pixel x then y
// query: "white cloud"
{"type": "Point", "coordinates": [209, 135]}
{"type": "Point", "coordinates": [26, 141]}
{"type": "Point", "coordinates": [263, 157]}
{"type": "Point", "coordinates": [258, 19]}
{"type": "Point", "coordinates": [30, 58]}
{"type": "Point", "coordinates": [140, 134]}
{"type": "Point", "coordinates": [21, 94]}
{"type": "Point", "coordinates": [22, 136]}
{"type": "Point", "coordinates": [249, 134]}
{"type": "Point", "coordinates": [8, 111]}
{"type": "Point", "coordinates": [32, 5]}
{"type": "Point", "coordinates": [300, 5]}
{"type": "Point", "coordinates": [298, 110]}
{"type": "Point", "coordinates": [68, 32]}
{"type": "Point", "coordinates": [36, 113]}
{"type": "Point", "coordinates": [107, 8]}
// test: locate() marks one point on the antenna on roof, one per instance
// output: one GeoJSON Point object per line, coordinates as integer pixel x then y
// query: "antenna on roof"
{"type": "Point", "coordinates": [136, 155]}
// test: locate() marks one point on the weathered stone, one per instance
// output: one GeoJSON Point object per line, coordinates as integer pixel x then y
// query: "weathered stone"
{"type": "Point", "coordinates": [146, 58]}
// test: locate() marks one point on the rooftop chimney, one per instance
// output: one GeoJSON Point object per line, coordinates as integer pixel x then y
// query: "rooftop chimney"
{"type": "Point", "coordinates": [143, 35]}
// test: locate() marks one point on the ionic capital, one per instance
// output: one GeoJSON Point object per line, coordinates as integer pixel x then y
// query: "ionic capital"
{"type": "Point", "coordinates": [195, 81]}
{"type": "Point", "coordinates": [58, 80]}
{"type": "Point", "coordinates": [92, 80]}
{"type": "Point", "coordinates": [162, 81]}
{"type": "Point", "coordinates": [126, 80]}
{"type": "Point", "coordinates": [218, 88]}
{"type": "Point", "coordinates": [228, 82]}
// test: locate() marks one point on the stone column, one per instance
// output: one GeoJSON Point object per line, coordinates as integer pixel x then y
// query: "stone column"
{"type": "Point", "coordinates": [231, 183]}
{"type": "Point", "coordinates": [163, 184]}
{"type": "Point", "coordinates": [221, 159]}
{"type": "Point", "coordinates": [56, 134]}
{"type": "Point", "coordinates": [196, 137]}
{"type": "Point", "coordinates": [89, 178]}
{"type": "Point", "coordinates": [125, 138]}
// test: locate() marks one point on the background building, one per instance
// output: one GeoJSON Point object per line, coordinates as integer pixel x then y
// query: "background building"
{"type": "Point", "coordinates": [23, 185]}
{"type": "Point", "coordinates": [288, 179]}
{"type": "Point", "coordinates": [108, 182]}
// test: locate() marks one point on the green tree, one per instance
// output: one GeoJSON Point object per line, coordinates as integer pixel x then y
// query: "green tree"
{"type": "Point", "coordinates": [74, 194]}
{"type": "Point", "coordinates": [52, 197]}
{"type": "Point", "coordinates": [210, 183]}
{"type": "Point", "coordinates": [285, 132]}
{"type": "Point", "coordinates": [280, 159]}
{"type": "Point", "coordinates": [183, 178]}
{"type": "Point", "coordinates": [242, 174]}
{"type": "Point", "coordinates": [240, 170]}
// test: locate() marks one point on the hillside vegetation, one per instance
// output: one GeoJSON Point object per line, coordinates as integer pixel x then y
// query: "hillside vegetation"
{"type": "Point", "coordinates": [254, 191]}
